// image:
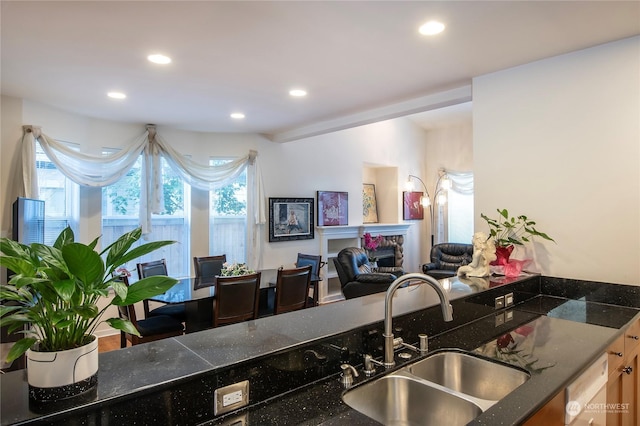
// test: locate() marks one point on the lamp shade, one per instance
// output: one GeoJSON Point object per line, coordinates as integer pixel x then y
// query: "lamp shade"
{"type": "Point", "coordinates": [409, 185]}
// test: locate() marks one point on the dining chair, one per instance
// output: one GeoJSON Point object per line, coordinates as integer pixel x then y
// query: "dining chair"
{"type": "Point", "coordinates": [208, 266]}
{"type": "Point", "coordinates": [174, 310]}
{"type": "Point", "coordinates": [150, 329]}
{"type": "Point", "coordinates": [316, 264]}
{"type": "Point", "coordinates": [236, 299]}
{"type": "Point", "coordinates": [292, 289]}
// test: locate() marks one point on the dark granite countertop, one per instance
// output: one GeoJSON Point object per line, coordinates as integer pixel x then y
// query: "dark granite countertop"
{"type": "Point", "coordinates": [172, 381]}
{"type": "Point", "coordinates": [559, 350]}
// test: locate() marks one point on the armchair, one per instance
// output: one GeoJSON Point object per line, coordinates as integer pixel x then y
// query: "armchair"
{"type": "Point", "coordinates": [356, 275]}
{"type": "Point", "coordinates": [446, 258]}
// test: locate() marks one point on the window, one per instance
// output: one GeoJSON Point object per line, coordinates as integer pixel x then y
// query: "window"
{"type": "Point", "coordinates": [460, 217]}
{"type": "Point", "coordinates": [60, 195]}
{"type": "Point", "coordinates": [228, 218]}
{"type": "Point", "coordinates": [459, 210]}
{"type": "Point", "coordinates": [120, 210]}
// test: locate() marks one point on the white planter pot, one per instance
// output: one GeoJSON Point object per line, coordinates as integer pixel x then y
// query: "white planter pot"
{"type": "Point", "coordinates": [60, 375]}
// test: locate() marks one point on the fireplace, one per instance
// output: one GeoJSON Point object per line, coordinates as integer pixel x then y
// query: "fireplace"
{"type": "Point", "coordinates": [390, 252]}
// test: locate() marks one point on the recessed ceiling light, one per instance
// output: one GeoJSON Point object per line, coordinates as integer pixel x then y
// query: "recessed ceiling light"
{"type": "Point", "coordinates": [298, 93]}
{"type": "Point", "coordinates": [159, 59]}
{"type": "Point", "coordinates": [237, 115]}
{"type": "Point", "coordinates": [431, 28]}
{"type": "Point", "coordinates": [116, 95]}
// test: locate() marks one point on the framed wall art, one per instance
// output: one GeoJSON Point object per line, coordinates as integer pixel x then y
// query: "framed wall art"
{"type": "Point", "coordinates": [369, 203]}
{"type": "Point", "coordinates": [291, 219]}
{"type": "Point", "coordinates": [411, 207]}
{"type": "Point", "coordinates": [333, 208]}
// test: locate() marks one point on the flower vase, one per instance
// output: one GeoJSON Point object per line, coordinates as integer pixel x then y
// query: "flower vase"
{"type": "Point", "coordinates": [56, 376]}
{"type": "Point", "coordinates": [502, 255]}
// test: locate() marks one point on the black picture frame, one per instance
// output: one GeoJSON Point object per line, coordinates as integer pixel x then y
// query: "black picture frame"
{"type": "Point", "coordinates": [281, 221]}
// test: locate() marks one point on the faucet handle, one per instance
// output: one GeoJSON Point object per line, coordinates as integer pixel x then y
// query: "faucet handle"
{"type": "Point", "coordinates": [348, 372]}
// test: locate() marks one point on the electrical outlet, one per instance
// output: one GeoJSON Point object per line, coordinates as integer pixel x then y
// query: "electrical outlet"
{"type": "Point", "coordinates": [231, 397]}
{"type": "Point", "coordinates": [238, 420]}
{"type": "Point", "coordinates": [508, 299]}
{"type": "Point", "coordinates": [508, 316]}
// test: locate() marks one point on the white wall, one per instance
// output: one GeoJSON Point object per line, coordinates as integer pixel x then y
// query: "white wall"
{"type": "Point", "coordinates": [11, 125]}
{"type": "Point", "coordinates": [333, 162]}
{"type": "Point", "coordinates": [559, 141]}
{"type": "Point", "coordinates": [448, 147]}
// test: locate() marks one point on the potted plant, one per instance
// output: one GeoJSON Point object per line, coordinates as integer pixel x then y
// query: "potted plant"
{"type": "Point", "coordinates": [371, 244]}
{"type": "Point", "coordinates": [509, 231]}
{"type": "Point", "coordinates": [235, 269]}
{"type": "Point", "coordinates": [53, 300]}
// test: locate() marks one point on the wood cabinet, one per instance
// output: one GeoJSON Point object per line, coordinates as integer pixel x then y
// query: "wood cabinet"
{"type": "Point", "coordinates": [552, 414]}
{"type": "Point", "coordinates": [623, 386]}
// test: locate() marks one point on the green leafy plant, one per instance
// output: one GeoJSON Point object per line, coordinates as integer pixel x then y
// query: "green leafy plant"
{"type": "Point", "coordinates": [55, 291]}
{"type": "Point", "coordinates": [235, 269]}
{"type": "Point", "coordinates": [516, 230]}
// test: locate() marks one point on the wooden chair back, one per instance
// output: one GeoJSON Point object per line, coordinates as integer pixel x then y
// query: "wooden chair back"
{"type": "Point", "coordinates": [209, 266]}
{"type": "Point", "coordinates": [292, 289]}
{"type": "Point", "coordinates": [236, 299]}
{"type": "Point", "coordinates": [163, 326]}
{"type": "Point", "coordinates": [149, 269]}
{"type": "Point", "coordinates": [310, 259]}
{"type": "Point", "coordinates": [316, 265]}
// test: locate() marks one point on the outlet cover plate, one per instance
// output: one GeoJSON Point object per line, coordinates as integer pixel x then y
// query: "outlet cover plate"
{"type": "Point", "coordinates": [231, 397]}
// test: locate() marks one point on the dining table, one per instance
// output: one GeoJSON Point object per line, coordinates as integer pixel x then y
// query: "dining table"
{"type": "Point", "coordinates": [198, 293]}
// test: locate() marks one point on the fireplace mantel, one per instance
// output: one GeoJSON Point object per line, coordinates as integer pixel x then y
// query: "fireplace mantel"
{"type": "Point", "coordinates": [386, 229]}
{"type": "Point", "coordinates": [335, 238]}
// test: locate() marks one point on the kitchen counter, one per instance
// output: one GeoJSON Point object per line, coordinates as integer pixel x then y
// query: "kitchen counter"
{"type": "Point", "coordinates": [172, 381]}
{"type": "Point", "coordinates": [555, 350]}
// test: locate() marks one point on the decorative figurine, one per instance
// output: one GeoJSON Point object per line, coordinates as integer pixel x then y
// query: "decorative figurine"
{"type": "Point", "coordinates": [484, 252]}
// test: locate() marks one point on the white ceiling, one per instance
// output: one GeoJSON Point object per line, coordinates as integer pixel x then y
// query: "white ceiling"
{"type": "Point", "coordinates": [352, 57]}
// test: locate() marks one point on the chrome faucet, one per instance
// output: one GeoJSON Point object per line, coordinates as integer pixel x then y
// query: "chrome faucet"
{"type": "Point", "coordinates": [389, 342]}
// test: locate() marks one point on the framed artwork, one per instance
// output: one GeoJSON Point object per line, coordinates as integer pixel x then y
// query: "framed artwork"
{"type": "Point", "coordinates": [369, 204]}
{"type": "Point", "coordinates": [333, 208]}
{"type": "Point", "coordinates": [290, 219]}
{"type": "Point", "coordinates": [411, 207]}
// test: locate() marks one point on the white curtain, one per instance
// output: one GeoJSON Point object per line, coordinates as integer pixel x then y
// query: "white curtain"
{"type": "Point", "coordinates": [461, 182]}
{"type": "Point", "coordinates": [99, 171]}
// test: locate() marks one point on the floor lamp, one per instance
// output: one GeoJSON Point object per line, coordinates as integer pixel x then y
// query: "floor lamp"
{"type": "Point", "coordinates": [443, 184]}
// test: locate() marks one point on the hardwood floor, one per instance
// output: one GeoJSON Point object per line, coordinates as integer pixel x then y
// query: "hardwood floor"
{"type": "Point", "coordinates": [109, 343]}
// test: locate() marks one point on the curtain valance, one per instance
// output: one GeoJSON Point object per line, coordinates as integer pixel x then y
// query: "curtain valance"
{"type": "Point", "coordinates": [461, 182]}
{"type": "Point", "coordinates": [103, 170]}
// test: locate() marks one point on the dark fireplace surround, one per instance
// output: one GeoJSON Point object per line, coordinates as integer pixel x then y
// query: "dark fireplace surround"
{"type": "Point", "coordinates": [390, 252]}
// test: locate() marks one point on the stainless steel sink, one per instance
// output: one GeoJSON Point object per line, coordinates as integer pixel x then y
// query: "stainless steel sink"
{"type": "Point", "coordinates": [450, 387]}
{"type": "Point", "coordinates": [469, 374]}
{"type": "Point", "coordinates": [401, 400]}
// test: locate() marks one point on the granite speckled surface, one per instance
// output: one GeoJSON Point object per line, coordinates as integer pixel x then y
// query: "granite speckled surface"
{"type": "Point", "coordinates": [292, 360]}
{"type": "Point", "coordinates": [542, 340]}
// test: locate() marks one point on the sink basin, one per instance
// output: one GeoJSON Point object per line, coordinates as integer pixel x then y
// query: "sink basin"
{"type": "Point", "coordinates": [401, 400]}
{"type": "Point", "coordinates": [469, 374]}
{"type": "Point", "coordinates": [450, 387]}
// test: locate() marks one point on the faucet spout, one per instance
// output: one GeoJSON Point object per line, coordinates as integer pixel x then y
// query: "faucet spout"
{"type": "Point", "coordinates": [447, 310]}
